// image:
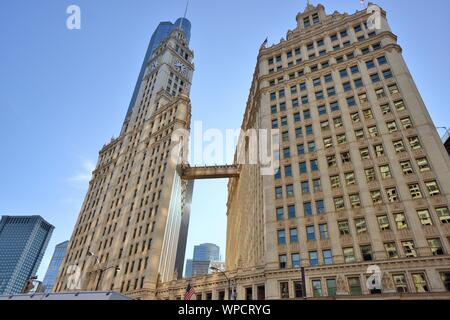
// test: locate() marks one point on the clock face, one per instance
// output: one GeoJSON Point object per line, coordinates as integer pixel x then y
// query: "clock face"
{"type": "Point", "coordinates": [155, 64]}
{"type": "Point", "coordinates": [181, 67]}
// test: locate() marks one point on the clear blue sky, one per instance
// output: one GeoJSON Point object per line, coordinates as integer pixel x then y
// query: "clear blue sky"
{"type": "Point", "coordinates": [63, 93]}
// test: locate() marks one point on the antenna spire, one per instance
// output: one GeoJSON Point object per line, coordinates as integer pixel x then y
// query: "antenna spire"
{"type": "Point", "coordinates": [185, 14]}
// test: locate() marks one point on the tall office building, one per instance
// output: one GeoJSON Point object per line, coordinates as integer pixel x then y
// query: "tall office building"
{"type": "Point", "coordinates": [23, 241]}
{"type": "Point", "coordinates": [136, 210]}
{"type": "Point", "coordinates": [161, 33]}
{"type": "Point", "coordinates": [364, 185]}
{"type": "Point", "coordinates": [53, 268]}
{"type": "Point", "coordinates": [188, 269]}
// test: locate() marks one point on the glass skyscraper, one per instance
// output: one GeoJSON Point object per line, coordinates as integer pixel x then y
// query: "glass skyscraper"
{"type": "Point", "coordinates": [161, 33]}
{"type": "Point", "coordinates": [207, 252]}
{"type": "Point", "coordinates": [53, 268]}
{"type": "Point", "coordinates": [23, 240]}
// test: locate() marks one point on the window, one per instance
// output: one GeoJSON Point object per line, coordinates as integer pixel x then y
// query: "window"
{"type": "Point", "coordinates": [414, 143]}
{"type": "Point", "coordinates": [293, 235]}
{"type": "Point", "coordinates": [406, 123]}
{"type": "Point", "coordinates": [363, 97]}
{"type": "Point", "coordinates": [354, 69]}
{"type": "Point", "coordinates": [370, 64]}
{"type": "Point", "coordinates": [383, 223]}
{"type": "Point", "coordinates": [305, 187]}
{"type": "Point", "coordinates": [364, 153]}
{"type": "Point", "coordinates": [375, 77]}
{"type": "Point", "coordinates": [327, 257]}
{"type": "Point", "coordinates": [385, 172]}
{"type": "Point", "coordinates": [291, 212]}
{"type": "Point", "coordinates": [445, 276]}
{"type": "Point", "coordinates": [382, 60]}
{"type": "Point", "coordinates": [387, 74]}
{"type": "Point", "coordinates": [323, 228]}
{"type": "Point", "coordinates": [313, 259]}
{"type": "Point", "coordinates": [436, 247]}
{"type": "Point", "coordinates": [355, 201]}
{"type": "Point", "coordinates": [284, 290]}
{"type": "Point", "coordinates": [400, 105]}
{"type": "Point", "coordinates": [376, 197]}
{"type": "Point", "coordinates": [281, 237]}
{"type": "Point", "coordinates": [335, 182]}
{"type": "Point", "coordinates": [343, 73]}
{"type": "Point", "coordinates": [298, 288]}
{"type": "Point", "coordinates": [400, 283]}
{"type": "Point", "coordinates": [399, 146]}
{"type": "Point", "coordinates": [284, 121]}
{"type": "Point", "coordinates": [325, 125]}
{"type": "Point", "coordinates": [347, 86]}
{"type": "Point", "coordinates": [433, 188]}
{"type": "Point", "coordinates": [351, 101]}
{"type": "Point", "coordinates": [309, 130]}
{"type": "Point", "coordinates": [373, 131]}
{"type": "Point", "coordinates": [361, 225]}
{"type": "Point", "coordinates": [368, 115]}
{"type": "Point", "coordinates": [331, 92]}
{"type": "Point", "coordinates": [290, 190]}
{"type": "Point", "coordinates": [355, 117]}
{"type": "Point", "coordinates": [283, 106]}
{"type": "Point", "coordinates": [370, 175]}
{"type": "Point", "coordinates": [310, 233]}
{"type": "Point", "coordinates": [295, 103]}
{"type": "Point", "coordinates": [273, 96]}
{"type": "Point", "coordinates": [424, 217]}
{"type": "Point", "coordinates": [328, 142]}
{"type": "Point", "coordinates": [392, 126]}
{"type": "Point", "coordinates": [420, 282]}
{"type": "Point", "coordinates": [341, 138]}
{"type": "Point", "coordinates": [286, 153]}
{"type": "Point", "coordinates": [331, 287]}
{"type": "Point", "coordinates": [280, 214]}
{"type": "Point", "coordinates": [334, 37]}
{"type": "Point", "coordinates": [288, 171]}
{"type": "Point", "coordinates": [344, 228]}
{"type": "Point", "coordinates": [302, 167]}
{"type": "Point", "coordinates": [307, 208]}
{"type": "Point", "coordinates": [274, 124]}
{"type": "Point", "coordinates": [391, 250]}
{"type": "Point", "coordinates": [414, 190]}
{"type": "Point", "coordinates": [320, 206]}
{"type": "Point", "coordinates": [423, 165]}
{"type": "Point", "coordinates": [331, 160]}
{"type": "Point", "coordinates": [300, 149]}
{"type": "Point", "coordinates": [317, 185]}
{"type": "Point", "coordinates": [285, 136]}
{"type": "Point", "coordinates": [400, 221]}
{"type": "Point", "coordinates": [385, 109]}
{"type": "Point", "coordinates": [393, 89]}
{"type": "Point", "coordinates": [282, 258]}
{"type": "Point", "coordinates": [278, 192]}
{"type": "Point", "coordinates": [408, 249]}
{"type": "Point", "coordinates": [334, 106]}
{"type": "Point", "coordinates": [379, 150]}
{"type": "Point", "coordinates": [317, 288]}
{"type": "Point", "coordinates": [359, 84]}
{"type": "Point", "coordinates": [350, 178]}
{"type": "Point", "coordinates": [443, 214]}
{"type": "Point", "coordinates": [349, 255]}
{"type": "Point", "coordinates": [339, 203]}
{"type": "Point", "coordinates": [366, 252]}
{"type": "Point", "coordinates": [295, 259]}
{"type": "Point", "coordinates": [312, 146]}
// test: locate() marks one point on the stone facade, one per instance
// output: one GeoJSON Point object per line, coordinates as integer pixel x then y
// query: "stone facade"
{"type": "Point", "coordinates": [136, 212]}
{"type": "Point", "coordinates": [364, 177]}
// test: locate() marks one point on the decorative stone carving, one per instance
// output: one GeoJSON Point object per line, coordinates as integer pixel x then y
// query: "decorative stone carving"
{"type": "Point", "coordinates": [387, 284]}
{"type": "Point", "coordinates": [341, 289]}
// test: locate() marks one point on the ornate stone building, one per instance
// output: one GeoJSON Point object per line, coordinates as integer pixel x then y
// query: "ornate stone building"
{"type": "Point", "coordinates": [363, 188]}
{"type": "Point", "coordinates": [132, 230]}
{"type": "Point", "coordinates": [364, 183]}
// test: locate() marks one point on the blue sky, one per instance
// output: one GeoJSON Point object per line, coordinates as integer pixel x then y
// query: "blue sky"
{"type": "Point", "coordinates": [63, 93]}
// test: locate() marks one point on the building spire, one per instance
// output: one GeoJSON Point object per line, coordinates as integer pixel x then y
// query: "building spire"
{"type": "Point", "coordinates": [185, 14]}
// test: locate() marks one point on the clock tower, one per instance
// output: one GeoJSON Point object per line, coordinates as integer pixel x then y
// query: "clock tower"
{"type": "Point", "coordinates": [136, 212]}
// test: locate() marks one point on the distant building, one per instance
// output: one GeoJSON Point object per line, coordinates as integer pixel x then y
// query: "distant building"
{"type": "Point", "coordinates": [23, 240]}
{"type": "Point", "coordinates": [53, 268]}
{"type": "Point", "coordinates": [205, 256]}
{"type": "Point", "coordinates": [206, 251]}
{"type": "Point", "coordinates": [188, 271]}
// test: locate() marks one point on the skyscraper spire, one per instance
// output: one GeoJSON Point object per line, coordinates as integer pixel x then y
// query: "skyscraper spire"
{"type": "Point", "coordinates": [185, 14]}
